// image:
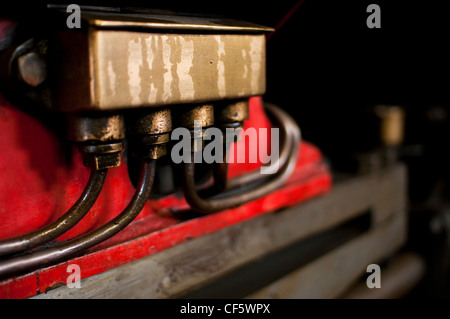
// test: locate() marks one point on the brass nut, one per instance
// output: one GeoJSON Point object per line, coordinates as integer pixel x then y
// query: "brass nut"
{"type": "Point", "coordinates": [187, 116]}
{"type": "Point", "coordinates": [102, 156]}
{"type": "Point", "coordinates": [95, 128]}
{"type": "Point", "coordinates": [154, 139]}
{"type": "Point", "coordinates": [32, 69]}
{"type": "Point", "coordinates": [149, 146]}
{"type": "Point", "coordinates": [154, 121]}
{"type": "Point", "coordinates": [148, 132]}
{"type": "Point", "coordinates": [105, 161]}
{"type": "Point", "coordinates": [392, 124]}
{"type": "Point", "coordinates": [106, 49]}
{"type": "Point", "coordinates": [231, 112]}
{"type": "Point", "coordinates": [199, 140]}
{"type": "Point", "coordinates": [151, 151]}
{"type": "Point", "coordinates": [102, 148]}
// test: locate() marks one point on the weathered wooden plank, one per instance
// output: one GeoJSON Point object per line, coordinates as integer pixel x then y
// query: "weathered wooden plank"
{"type": "Point", "coordinates": [193, 264]}
{"type": "Point", "coordinates": [330, 275]}
{"type": "Point", "coordinates": [397, 279]}
{"type": "Point", "coordinates": [389, 193]}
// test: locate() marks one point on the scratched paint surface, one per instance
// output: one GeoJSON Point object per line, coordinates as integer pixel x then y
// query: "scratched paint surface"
{"type": "Point", "coordinates": [142, 69]}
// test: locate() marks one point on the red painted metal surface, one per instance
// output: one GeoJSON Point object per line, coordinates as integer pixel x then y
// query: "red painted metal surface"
{"type": "Point", "coordinates": [38, 184]}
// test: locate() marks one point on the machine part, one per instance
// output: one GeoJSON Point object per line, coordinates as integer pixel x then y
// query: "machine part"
{"type": "Point", "coordinates": [63, 251]}
{"type": "Point", "coordinates": [310, 179]}
{"type": "Point", "coordinates": [227, 115]}
{"type": "Point", "coordinates": [171, 22]}
{"type": "Point", "coordinates": [94, 128]}
{"type": "Point", "coordinates": [392, 124]}
{"type": "Point", "coordinates": [233, 200]}
{"type": "Point", "coordinates": [150, 122]}
{"type": "Point", "coordinates": [280, 118]}
{"type": "Point", "coordinates": [187, 116]}
{"type": "Point", "coordinates": [102, 156]}
{"type": "Point", "coordinates": [150, 151]}
{"type": "Point", "coordinates": [133, 60]}
{"type": "Point", "coordinates": [220, 173]}
{"type": "Point", "coordinates": [221, 182]}
{"type": "Point", "coordinates": [62, 224]}
{"type": "Point", "coordinates": [100, 138]}
{"type": "Point", "coordinates": [148, 132]}
{"type": "Point", "coordinates": [32, 69]}
{"type": "Point", "coordinates": [199, 139]}
{"type": "Point", "coordinates": [231, 112]}
{"type": "Point", "coordinates": [26, 62]}
{"type": "Point", "coordinates": [24, 71]}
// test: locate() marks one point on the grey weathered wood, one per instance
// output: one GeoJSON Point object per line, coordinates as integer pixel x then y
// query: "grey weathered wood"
{"type": "Point", "coordinates": [332, 274]}
{"type": "Point", "coordinates": [193, 264]}
{"type": "Point", "coordinates": [401, 276]}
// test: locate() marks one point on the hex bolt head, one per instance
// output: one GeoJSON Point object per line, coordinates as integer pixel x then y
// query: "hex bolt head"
{"type": "Point", "coordinates": [102, 156]}
{"type": "Point", "coordinates": [32, 68]}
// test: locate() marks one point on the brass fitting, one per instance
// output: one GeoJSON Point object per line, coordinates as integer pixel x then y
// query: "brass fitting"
{"type": "Point", "coordinates": [392, 124]}
{"type": "Point", "coordinates": [102, 156]}
{"type": "Point", "coordinates": [99, 138]}
{"type": "Point", "coordinates": [231, 112]}
{"type": "Point", "coordinates": [32, 69]}
{"type": "Point", "coordinates": [187, 117]}
{"type": "Point", "coordinates": [148, 132]}
{"type": "Point", "coordinates": [85, 128]}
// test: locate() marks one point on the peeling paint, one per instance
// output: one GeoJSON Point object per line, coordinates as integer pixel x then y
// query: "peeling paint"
{"type": "Point", "coordinates": [186, 84]}
{"type": "Point", "coordinates": [145, 69]}
{"type": "Point", "coordinates": [111, 77]}
{"type": "Point", "coordinates": [134, 65]}
{"type": "Point", "coordinates": [221, 67]}
{"type": "Point", "coordinates": [166, 49]}
{"type": "Point", "coordinates": [256, 60]}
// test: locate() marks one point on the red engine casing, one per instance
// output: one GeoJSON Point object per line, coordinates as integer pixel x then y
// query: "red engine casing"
{"type": "Point", "coordinates": [38, 184]}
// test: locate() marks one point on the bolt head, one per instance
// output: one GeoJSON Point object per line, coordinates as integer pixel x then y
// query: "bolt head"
{"type": "Point", "coordinates": [32, 69]}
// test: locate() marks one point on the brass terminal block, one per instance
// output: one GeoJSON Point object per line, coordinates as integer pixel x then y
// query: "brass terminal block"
{"type": "Point", "coordinates": [123, 61]}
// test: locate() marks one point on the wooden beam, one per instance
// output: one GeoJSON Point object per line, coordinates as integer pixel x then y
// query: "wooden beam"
{"type": "Point", "coordinates": [330, 275]}
{"type": "Point", "coordinates": [196, 263]}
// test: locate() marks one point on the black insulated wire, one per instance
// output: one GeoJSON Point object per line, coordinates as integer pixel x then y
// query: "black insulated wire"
{"type": "Point", "coordinates": [61, 225]}
{"type": "Point", "coordinates": [288, 126]}
{"type": "Point", "coordinates": [70, 248]}
{"type": "Point", "coordinates": [292, 138]}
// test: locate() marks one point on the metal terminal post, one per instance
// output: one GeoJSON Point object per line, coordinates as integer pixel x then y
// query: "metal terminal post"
{"type": "Point", "coordinates": [228, 114]}
{"type": "Point", "coordinates": [231, 112]}
{"type": "Point", "coordinates": [148, 131]}
{"type": "Point", "coordinates": [99, 137]}
{"type": "Point", "coordinates": [194, 117]}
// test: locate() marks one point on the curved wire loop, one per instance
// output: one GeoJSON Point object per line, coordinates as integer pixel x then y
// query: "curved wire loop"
{"type": "Point", "coordinates": [72, 247]}
{"type": "Point", "coordinates": [288, 159]}
{"type": "Point", "coordinates": [61, 225]}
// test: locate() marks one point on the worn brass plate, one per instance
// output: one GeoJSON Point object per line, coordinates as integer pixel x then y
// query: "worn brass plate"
{"type": "Point", "coordinates": [120, 67]}
{"type": "Point", "coordinates": [121, 20]}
